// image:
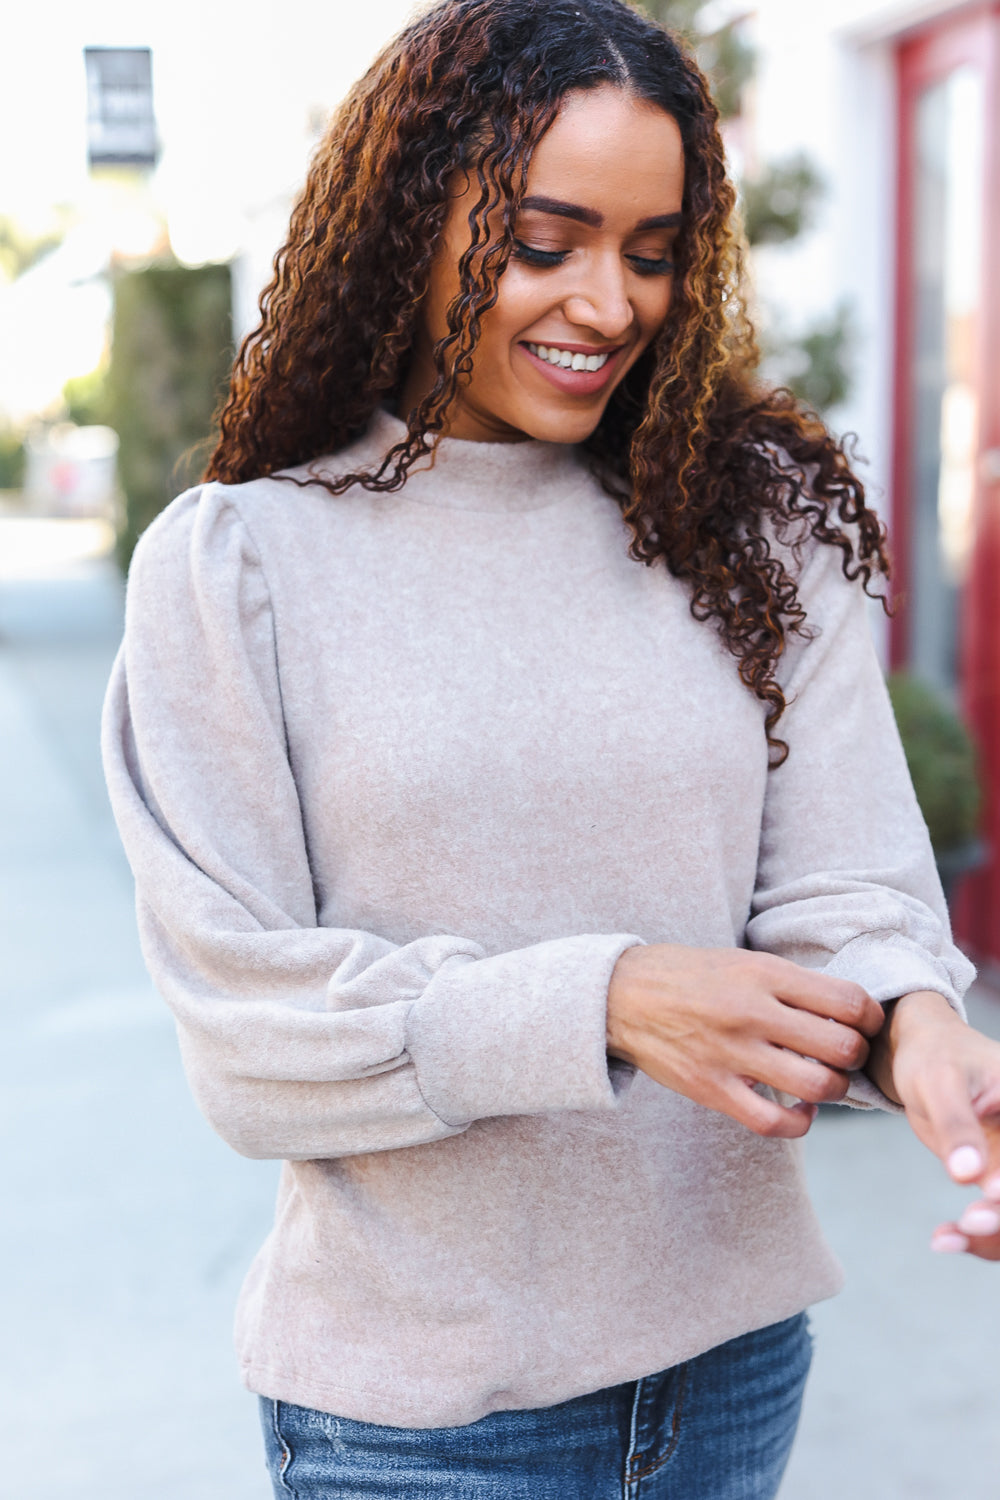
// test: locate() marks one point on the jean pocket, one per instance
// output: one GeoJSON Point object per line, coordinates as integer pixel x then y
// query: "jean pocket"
{"type": "Point", "coordinates": [277, 1447]}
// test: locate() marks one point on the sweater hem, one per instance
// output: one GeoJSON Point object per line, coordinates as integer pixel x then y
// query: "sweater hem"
{"type": "Point", "coordinates": [359, 1403]}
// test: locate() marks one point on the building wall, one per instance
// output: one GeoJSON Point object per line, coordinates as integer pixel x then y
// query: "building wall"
{"type": "Point", "coordinates": [826, 87]}
{"type": "Point", "coordinates": [239, 94]}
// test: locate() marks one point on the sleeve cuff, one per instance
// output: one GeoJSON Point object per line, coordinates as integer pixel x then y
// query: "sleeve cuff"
{"type": "Point", "coordinates": [862, 1093]}
{"type": "Point", "coordinates": [889, 967]}
{"type": "Point", "coordinates": [520, 1033]}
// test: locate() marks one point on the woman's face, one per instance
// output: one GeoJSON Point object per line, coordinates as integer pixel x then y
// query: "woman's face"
{"type": "Point", "coordinates": [589, 283]}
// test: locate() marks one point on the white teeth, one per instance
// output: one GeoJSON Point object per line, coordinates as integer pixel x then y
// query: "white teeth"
{"type": "Point", "coordinates": [567, 360]}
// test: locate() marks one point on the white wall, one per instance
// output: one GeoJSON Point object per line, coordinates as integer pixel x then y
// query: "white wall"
{"type": "Point", "coordinates": [834, 101]}
{"type": "Point", "coordinates": [239, 87]}
{"type": "Point", "coordinates": [235, 84]}
{"type": "Point", "coordinates": [826, 86]}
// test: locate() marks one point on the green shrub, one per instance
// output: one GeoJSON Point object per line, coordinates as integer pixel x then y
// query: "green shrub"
{"type": "Point", "coordinates": [171, 353]}
{"type": "Point", "coordinates": [780, 203]}
{"type": "Point", "coordinates": [942, 762]}
{"type": "Point", "coordinates": [11, 459]}
{"type": "Point", "coordinates": [86, 398]}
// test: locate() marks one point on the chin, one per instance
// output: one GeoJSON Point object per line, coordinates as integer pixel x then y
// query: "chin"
{"type": "Point", "coordinates": [561, 425]}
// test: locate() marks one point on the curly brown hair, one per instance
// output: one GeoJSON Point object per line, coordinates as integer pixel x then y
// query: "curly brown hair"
{"type": "Point", "coordinates": [710, 467]}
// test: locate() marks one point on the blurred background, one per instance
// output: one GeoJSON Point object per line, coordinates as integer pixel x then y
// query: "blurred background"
{"type": "Point", "coordinates": [151, 154]}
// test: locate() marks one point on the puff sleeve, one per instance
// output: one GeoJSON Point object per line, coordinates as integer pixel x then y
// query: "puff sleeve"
{"type": "Point", "coordinates": [303, 1041]}
{"type": "Point", "coordinates": [846, 879]}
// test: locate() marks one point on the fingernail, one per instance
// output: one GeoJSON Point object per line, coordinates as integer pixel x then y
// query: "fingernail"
{"type": "Point", "coordinates": [980, 1220]}
{"type": "Point", "coordinates": [965, 1162]}
{"type": "Point", "coordinates": [949, 1244]}
{"type": "Point", "coordinates": [992, 1187]}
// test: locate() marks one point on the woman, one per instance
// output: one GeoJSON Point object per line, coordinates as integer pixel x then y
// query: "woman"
{"type": "Point", "coordinates": [526, 901]}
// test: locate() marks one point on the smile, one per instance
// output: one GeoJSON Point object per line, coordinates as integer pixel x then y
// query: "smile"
{"type": "Point", "coordinates": [566, 359]}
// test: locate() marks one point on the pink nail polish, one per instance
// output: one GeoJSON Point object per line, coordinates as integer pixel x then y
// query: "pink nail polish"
{"type": "Point", "coordinates": [949, 1244]}
{"type": "Point", "coordinates": [992, 1187]}
{"type": "Point", "coordinates": [980, 1220]}
{"type": "Point", "coordinates": [965, 1162]}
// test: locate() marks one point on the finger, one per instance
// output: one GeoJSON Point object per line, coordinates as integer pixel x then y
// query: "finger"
{"type": "Point", "coordinates": [980, 1219]}
{"type": "Point", "coordinates": [965, 1164]}
{"type": "Point", "coordinates": [818, 1037]}
{"type": "Point", "coordinates": [944, 1118]}
{"type": "Point", "coordinates": [985, 1249]}
{"type": "Point", "coordinates": [739, 1099]}
{"type": "Point", "coordinates": [839, 999]}
{"type": "Point", "coordinates": [948, 1239]}
{"type": "Point", "coordinates": [990, 1178]}
{"type": "Point", "coordinates": [972, 1164]}
{"type": "Point", "coordinates": [803, 1077]}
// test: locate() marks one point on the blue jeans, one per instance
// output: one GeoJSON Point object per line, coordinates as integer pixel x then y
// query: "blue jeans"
{"type": "Point", "coordinates": [719, 1427]}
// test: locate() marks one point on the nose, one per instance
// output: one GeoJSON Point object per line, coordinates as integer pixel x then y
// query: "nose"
{"type": "Point", "coordinates": [599, 299]}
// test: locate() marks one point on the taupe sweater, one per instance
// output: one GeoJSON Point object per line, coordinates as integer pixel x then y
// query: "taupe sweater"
{"type": "Point", "coordinates": [400, 777]}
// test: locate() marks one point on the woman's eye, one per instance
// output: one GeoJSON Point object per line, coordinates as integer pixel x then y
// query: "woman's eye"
{"type": "Point", "coordinates": [644, 265]}
{"type": "Point", "coordinates": [534, 257]}
{"type": "Point", "coordinates": [649, 267]}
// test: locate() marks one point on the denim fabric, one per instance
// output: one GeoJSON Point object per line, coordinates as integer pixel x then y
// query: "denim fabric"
{"type": "Point", "coordinates": [719, 1427]}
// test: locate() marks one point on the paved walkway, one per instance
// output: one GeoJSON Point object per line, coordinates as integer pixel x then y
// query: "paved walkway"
{"type": "Point", "coordinates": [132, 1224]}
{"type": "Point", "coordinates": [129, 1224]}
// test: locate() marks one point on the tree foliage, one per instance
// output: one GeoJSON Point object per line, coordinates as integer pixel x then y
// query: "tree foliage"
{"type": "Point", "coordinates": [779, 203]}
{"type": "Point", "coordinates": [821, 372]}
{"type": "Point", "coordinates": [11, 458]}
{"type": "Point", "coordinates": [21, 248]}
{"type": "Point", "coordinates": [86, 397]}
{"type": "Point", "coordinates": [723, 53]}
{"type": "Point", "coordinates": [171, 354]}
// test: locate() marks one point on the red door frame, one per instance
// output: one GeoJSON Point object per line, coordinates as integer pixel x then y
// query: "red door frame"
{"type": "Point", "coordinates": [970, 35]}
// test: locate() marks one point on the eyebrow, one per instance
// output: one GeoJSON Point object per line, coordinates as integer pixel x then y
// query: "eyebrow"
{"type": "Point", "coordinates": [591, 217]}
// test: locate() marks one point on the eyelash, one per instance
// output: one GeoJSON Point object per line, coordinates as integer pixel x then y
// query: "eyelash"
{"type": "Point", "coordinates": [546, 259]}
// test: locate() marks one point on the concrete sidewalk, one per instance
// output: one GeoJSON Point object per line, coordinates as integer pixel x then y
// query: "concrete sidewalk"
{"type": "Point", "coordinates": [130, 1225]}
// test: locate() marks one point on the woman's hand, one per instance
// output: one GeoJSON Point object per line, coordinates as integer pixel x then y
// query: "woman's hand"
{"type": "Point", "coordinates": [711, 1023]}
{"type": "Point", "coordinates": [947, 1077]}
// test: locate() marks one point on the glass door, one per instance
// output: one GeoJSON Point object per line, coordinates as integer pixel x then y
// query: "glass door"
{"type": "Point", "coordinates": [946, 517]}
{"type": "Point", "coordinates": [944, 396]}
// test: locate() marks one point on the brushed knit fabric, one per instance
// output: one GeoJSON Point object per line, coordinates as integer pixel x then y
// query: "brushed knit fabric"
{"type": "Point", "coordinates": [400, 777]}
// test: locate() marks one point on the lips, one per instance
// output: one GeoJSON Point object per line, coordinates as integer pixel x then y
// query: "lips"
{"type": "Point", "coordinates": [577, 369]}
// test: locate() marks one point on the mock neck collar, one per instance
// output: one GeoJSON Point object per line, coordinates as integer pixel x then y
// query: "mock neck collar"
{"type": "Point", "coordinates": [464, 475]}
